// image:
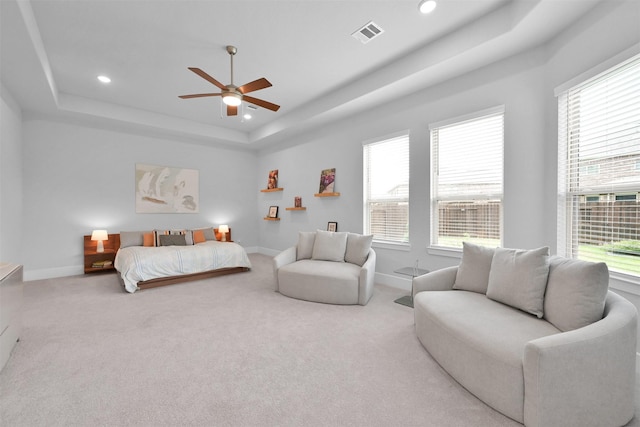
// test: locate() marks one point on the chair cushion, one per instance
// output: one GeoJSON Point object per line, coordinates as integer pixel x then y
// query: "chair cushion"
{"type": "Point", "coordinates": [320, 281]}
{"type": "Point", "coordinates": [474, 268]}
{"type": "Point", "coordinates": [519, 278]}
{"type": "Point", "coordinates": [358, 246]}
{"type": "Point", "coordinates": [304, 249]}
{"type": "Point", "coordinates": [576, 291]}
{"type": "Point", "coordinates": [329, 246]}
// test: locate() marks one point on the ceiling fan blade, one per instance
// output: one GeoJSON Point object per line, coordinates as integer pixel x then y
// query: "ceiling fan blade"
{"type": "Point", "coordinates": [208, 78]}
{"type": "Point", "coordinates": [198, 95]}
{"type": "Point", "coordinates": [261, 103]}
{"type": "Point", "coordinates": [232, 111]}
{"type": "Point", "coordinates": [255, 85]}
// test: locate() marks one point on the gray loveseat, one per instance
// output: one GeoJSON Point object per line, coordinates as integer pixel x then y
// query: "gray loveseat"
{"type": "Point", "coordinates": [540, 339]}
{"type": "Point", "coordinates": [327, 267]}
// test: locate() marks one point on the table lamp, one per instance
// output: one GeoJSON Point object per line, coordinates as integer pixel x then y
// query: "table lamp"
{"type": "Point", "coordinates": [100, 236]}
{"type": "Point", "coordinates": [223, 229]}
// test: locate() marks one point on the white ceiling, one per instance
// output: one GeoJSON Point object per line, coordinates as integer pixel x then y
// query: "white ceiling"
{"type": "Point", "coordinates": [53, 50]}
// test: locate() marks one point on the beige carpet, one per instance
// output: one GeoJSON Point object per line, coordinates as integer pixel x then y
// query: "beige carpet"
{"type": "Point", "coordinates": [227, 351]}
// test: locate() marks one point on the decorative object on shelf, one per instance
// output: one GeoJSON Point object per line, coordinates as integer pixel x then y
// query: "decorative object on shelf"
{"type": "Point", "coordinates": [164, 189]}
{"type": "Point", "coordinates": [327, 180]}
{"type": "Point", "coordinates": [273, 180]}
{"type": "Point", "coordinates": [273, 212]}
{"type": "Point", "coordinates": [223, 229]}
{"type": "Point", "coordinates": [332, 226]}
{"type": "Point", "coordinates": [99, 236]}
{"type": "Point", "coordinates": [297, 202]}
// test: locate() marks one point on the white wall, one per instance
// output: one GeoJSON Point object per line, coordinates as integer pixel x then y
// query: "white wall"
{"type": "Point", "coordinates": [10, 179]}
{"type": "Point", "coordinates": [79, 178]}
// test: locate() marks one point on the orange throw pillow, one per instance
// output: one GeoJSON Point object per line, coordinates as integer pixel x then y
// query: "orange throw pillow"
{"type": "Point", "coordinates": [198, 236]}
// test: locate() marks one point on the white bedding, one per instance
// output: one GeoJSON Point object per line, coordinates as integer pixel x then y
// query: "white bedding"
{"type": "Point", "coordinates": [138, 263]}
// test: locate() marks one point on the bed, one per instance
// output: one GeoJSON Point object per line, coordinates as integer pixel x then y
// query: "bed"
{"type": "Point", "coordinates": [142, 267]}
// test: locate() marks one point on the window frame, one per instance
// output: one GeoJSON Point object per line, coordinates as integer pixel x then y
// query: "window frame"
{"type": "Point", "coordinates": [367, 199]}
{"type": "Point", "coordinates": [438, 249]}
{"type": "Point", "coordinates": [568, 210]}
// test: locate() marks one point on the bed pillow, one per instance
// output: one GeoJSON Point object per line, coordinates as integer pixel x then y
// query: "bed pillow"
{"type": "Point", "coordinates": [172, 240]}
{"type": "Point", "coordinates": [188, 235]}
{"type": "Point", "coordinates": [358, 246]}
{"type": "Point", "coordinates": [131, 238]}
{"type": "Point", "coordinates": [576, 291]}
{"type": "Point", "coordinates": [207, 232]}
{"type": "Point", "coordinates": [198, 236]}
{"type": "Point", "coordinates": [329, 246]}
{"type": "Point", "coordinates": [518, 278]}
{"type": "Point", "coordinates": [304, 249]}
{"type": "Point", "coordinates": [148, 239]}
{"type": "Point", "coordinates": [474, 268]}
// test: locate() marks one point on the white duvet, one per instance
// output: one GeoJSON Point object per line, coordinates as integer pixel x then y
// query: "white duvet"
{"type": "Point", "coordinates": [138, 263]}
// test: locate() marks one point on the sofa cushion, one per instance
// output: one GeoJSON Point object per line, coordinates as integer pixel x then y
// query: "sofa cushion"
{"type": "Point", "coordinates": [329, 246]}
{"type": "Point", "coordinates": [519, 278]}
{"type": "Point", "coordinates": [320, 281]}
{"type": "Point", "coordinates": [474, 268]}
{"type": "Point", "coordinates": [484, 355]}
{"type": "Point", "coordinates": [576, 291]}
{"type": "Point", "coordinates": [358, 246]}
{"type": "Point", "coordinates": [304, 249]}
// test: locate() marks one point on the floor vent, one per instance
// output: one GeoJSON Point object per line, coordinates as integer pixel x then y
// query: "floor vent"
{"type": "Point", "coordinates": [368, 32]}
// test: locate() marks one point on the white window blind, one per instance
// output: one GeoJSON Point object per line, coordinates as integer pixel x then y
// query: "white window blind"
{"type": "Point", "coordinates": [598, 177]}
{"type": "Point", "coordinates": [467, 180]}
{"type": "Point", "coordinates": [386, 189]}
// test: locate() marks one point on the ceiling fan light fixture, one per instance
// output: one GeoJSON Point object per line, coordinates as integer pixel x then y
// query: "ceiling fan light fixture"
{"type": "Point", "coordinates": [231, 98]}
{"type": "Point", "coordinates": [427, 6]}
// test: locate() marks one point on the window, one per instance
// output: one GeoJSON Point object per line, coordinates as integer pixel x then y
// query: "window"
{"type": "Point", "coordinates": [598, 152]}
{"type": "Point", "coordinates": [386, 189]}
{"type": "Point", "coordinates": [467, 180]}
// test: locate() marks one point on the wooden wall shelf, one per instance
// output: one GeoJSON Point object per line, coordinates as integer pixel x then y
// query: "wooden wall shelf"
{"type": "Point", "coordinates": [266, 218]}
{"type": "Point", "coordinates": [326, 194]}
{"type": "Point", "coordinates": [296, 209]}
{"type": "Point", "coordinates": [270, 190]}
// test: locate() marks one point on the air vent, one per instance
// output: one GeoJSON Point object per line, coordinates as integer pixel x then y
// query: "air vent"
{"type": "Point", "coordinates": [368, 32]}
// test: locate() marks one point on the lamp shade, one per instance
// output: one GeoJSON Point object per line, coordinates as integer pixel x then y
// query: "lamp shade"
{"type": "Point", "coordinates": [223, 229]}
{"type": "Point", "coordinates": [99, 235]}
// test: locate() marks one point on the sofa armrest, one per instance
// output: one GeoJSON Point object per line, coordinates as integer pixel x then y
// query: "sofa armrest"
{"type": "Point", "coordinates": [439, 280]}
{"type": "Point", "coordinates": [367, 278]}
{"type": "Point", "coordinates": [584, 377]}
{"type": "Point", "coordinates": [283, 258]}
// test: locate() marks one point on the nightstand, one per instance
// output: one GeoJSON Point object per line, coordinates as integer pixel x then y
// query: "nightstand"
{"type": "Point", "coordinates": [111, 246]}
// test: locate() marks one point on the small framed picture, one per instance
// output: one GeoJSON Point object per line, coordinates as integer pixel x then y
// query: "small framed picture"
{"type": "Point", "coordinates": [332, 226]}
{"type": "Point", "coordinates": [273, 212]}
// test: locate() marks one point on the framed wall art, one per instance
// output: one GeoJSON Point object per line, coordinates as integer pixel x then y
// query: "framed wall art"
{"type": "Point", "coordinates": [165, 189]}
{"type": "Point", "coordinates": [327, 180]}
{"type": "Point", "coordinates": [273, 212]}
{"type": "Point", "coordinates": [332, 226]}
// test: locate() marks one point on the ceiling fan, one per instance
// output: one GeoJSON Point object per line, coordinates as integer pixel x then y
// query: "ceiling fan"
{"type": "Point", "coordinates": [233, 95]}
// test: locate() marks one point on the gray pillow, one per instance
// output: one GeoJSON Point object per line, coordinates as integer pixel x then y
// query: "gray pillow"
{"type": "Point", "coordinates": [329, 246]}
{"type": "Point", "coordinates": [358, 246]}
{"type": "Point", "coordinates": [474, 268]}
{"type": "Point", "coordinates": [305, 244]}
{"type": "Point", "coordinates": [132, 238]}
{"type": "Point", "coordinates": [173, 240]}
{"type": "Point", "coordinates": [518, 278]}
{"type": "Point", "coordinates": [208, 233]}
{"type": "Point", "coordinates": [576, 291]}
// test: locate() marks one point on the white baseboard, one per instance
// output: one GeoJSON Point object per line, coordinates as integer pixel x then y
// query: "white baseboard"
{"type": "Point", "coordinates": [52, 273]}
{"type": "Point", "coordinates": [393, 281]}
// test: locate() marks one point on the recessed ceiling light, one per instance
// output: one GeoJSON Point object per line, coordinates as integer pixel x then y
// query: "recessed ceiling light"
{"type": "Point", "coordinates": [247, 116]}
{"type": "Point", "coordinates": [104, 79]}
{"type": "Point", "coordinates": [427, 6]}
